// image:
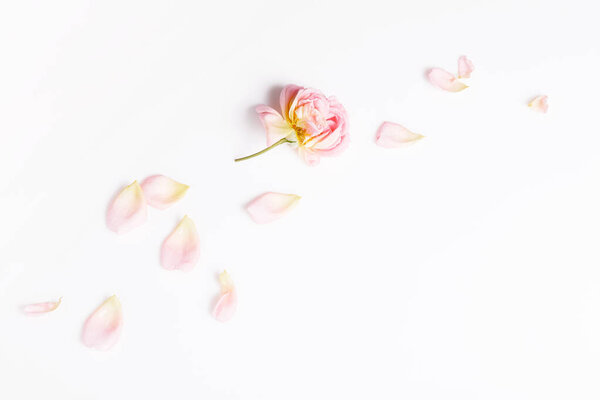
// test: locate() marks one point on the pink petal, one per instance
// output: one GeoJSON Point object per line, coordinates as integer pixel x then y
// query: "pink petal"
{"type": "Point", "coordinates": [225, 307]}
{"type": "Point", "coordinates": [103, 328]}
{"type": "Point", "coordinates": [445, 80]}
{"type": "Point", "coordinates": [41, 308]}
{"type": "Point", "coordinates": [227, 303]}
{"type": "Point", "coordinates": [161, 191]}
{"type": "Point", "coordinates": [287, 96]}
{"type": "Point", "coordinates": [181, 249]}
{"type": "Point", "coordinates": [310, 157]}
{"type": "Point", "coordinates": [127, 210]}
{"type": "Point", "coordinates": [392, 135]}
{"type": "Point", "coordinates": [277, 128]}
{"type": "Point", "coordinates": [465, 67]}
{"type": "Point", "coordinates": [270, 206]}
{"type": "Point", "coordinates": [539, 104]}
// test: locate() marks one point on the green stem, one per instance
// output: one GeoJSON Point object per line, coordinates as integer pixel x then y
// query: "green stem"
{"type": "Point", "coordinates": [284, 140]}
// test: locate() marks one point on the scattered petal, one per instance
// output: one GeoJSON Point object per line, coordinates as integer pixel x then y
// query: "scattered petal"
{"type": "Point", "coordinates": [227, 303]}
{"type": "Point", "coordinates": [392, 135]}
{"type": "Point", "coordinates": [226, 282]}
{"type": "Point", "coordinates": [161, 191]}
{"type": "Point", "coordinates": [270, 206]}
{"type": "Point", "coordinates": [41, 308]}
{"type": "Point", "coordinates": [128, 210]}
{"type": "Point", "coordinates": [539, 104]}
{"type": "Point", "coordinates": [465, 67]}
{"type": "Point", "coordinates": [445, 80]}
{"type": "Point", "coordinates": [181, 249]}
{"type": "Point", "coordinates": [103, 328]}
{"type": "Point", "coordinates": [277, 128]}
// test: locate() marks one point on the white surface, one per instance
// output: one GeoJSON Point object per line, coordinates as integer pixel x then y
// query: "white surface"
{"type": "Point", "coordinates": [465, 267]}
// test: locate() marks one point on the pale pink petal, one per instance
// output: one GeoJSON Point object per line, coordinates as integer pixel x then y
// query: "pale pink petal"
{"type": "Point", "coordinates": [392, 135]}
{"type": "Point", "coordinates": [310, 157]}
{"type": "Point", "coordinates": [227, 303]}
{"type": "Point", "coordinates": [226, 306]}
{"type": "Point", "coordinates": [539, 104]}
{"type": "Point", "coordinates": [103, 328]}
{"type": "Point", "coordinates": [160, 191]}
{"type": "Point", "coordinates": [324, 141]}
{"type": "Point", "coordinates": [41, 308]}
{"type": "Point", "coordinates": [337, 140]}
{"type": "Point", "coordinates": [181, 249]}
{"type": "Point", "coordinates": [127, 210]}
{"type": "Point", "coordinates": [277, 128]}
{"type": "Point", "coordinates": [287, 96]}
{"type": "Point", "coordinates": [465, 67]}
{"type": "Point", "coordinates": [270, 206]}
{"type": "Point", "coordinates": [445, 80]}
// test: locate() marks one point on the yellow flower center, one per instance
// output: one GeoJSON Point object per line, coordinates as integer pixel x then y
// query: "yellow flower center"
{"type": "Point", "coordinates": [300, 134]}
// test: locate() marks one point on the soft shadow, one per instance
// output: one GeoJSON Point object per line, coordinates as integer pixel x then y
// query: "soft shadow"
{"type": "Point", "coordinates": [273, 96]}
{"type": "Point", "coordinates": [253, 123]}
{"type": "Point", "coordinates": [252, 120]}
{"type": "Point", "coordinates": [425, 72]}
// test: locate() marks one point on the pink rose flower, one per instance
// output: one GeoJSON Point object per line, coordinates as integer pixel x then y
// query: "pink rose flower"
{"type": "Point", "coordinates": [316, 123]}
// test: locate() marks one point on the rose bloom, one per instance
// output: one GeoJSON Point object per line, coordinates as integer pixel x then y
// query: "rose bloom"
{"type": "Point", "coordinates": [318, 124]}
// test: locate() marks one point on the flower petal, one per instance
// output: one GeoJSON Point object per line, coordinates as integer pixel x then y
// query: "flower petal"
{"type": "Point", "coordinates": [392, 135]}
{"type": "Point", "coordinates": [181, 249]}
{"type": "Point", "coordinates": [226, 282]}
{"type": "Point", "coordinates": [161, 191]}
{"type": "Point", "coordinates": [539, 104]}
{"type": "Point", "coordinates": [225, 307]}
{"type": "Point", "coordinates": [445, 80]}
{"type": "Point", "coordinates": [103, 328]}
{"type": "Point", "coordinates": [227, 302]}
{"type": "Point", "coordinates": [127, 210]}
{"type": "Point", "coordinates": [277, 128]}
{"type": "Point", "coordinates": [310, 157]}
{"type": "Point", "coordinates": [270, 206]}
{"type": "Point", "coordinates": [287, 96]}
{"type": "Point", "coordinates": [41, 308]}
{"type": "Point", "coordinates": [465, 67]}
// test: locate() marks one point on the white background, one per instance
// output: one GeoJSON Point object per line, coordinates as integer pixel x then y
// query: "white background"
{"type": "Point", "coordinates": [464, 267]}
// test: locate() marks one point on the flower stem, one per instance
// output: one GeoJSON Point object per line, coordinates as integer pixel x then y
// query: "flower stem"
{"type": "Point", "coordinates": [284, 140]}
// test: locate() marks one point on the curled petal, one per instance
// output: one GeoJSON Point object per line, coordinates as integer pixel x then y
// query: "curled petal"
{"type": "Point", "coordinates": [445, 80]}
{"type": "Point", "coordinates": [392, 135]}
{"type": "Point", "coordinates": [181, 249]}
{"type": "Point", "coordinates": [287, 96]}
{"type": "Point", "coordinates": [41, 308]}
{"type": "Point", "coordinates": [103, 328]}
{"type": "Point", "coordinates": [270, 206]}
{"type": "Point", "coordinates": [227, 302]}
{"type": "Point", "coordinates": [277, 128]}
{"type": "Point", "coordinates": [127, 210]}
{"type": "Point", "coordinates": [465, 67]}
{"type": "Point", "coordinates": [160, 191]}
{"type": "Point", "coordinates": [539, 104]}
{"type": "Point", "coordinates": [337, 139]}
